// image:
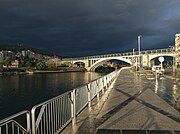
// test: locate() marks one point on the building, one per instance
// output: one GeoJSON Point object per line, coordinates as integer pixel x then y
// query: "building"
{"type": "Point", "coordinates": [14, 64]}
{"type": "Point", "coordinates": [177, 49]}
{"type": "Point", "coordinates": [8, 54]}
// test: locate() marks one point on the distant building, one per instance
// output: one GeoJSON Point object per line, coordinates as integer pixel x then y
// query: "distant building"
{"type": "Point", "coordinates": [14, 64]}
{"type": "Point", "coordinates": [38, 57]}
{"type": "Point", "coordinates": [24, 54]}
{"type": "Point", "coordinates": [30, 54]}
{"type": "Point", "coordinates": [177, 48]}
{"type": "Point", "coordinates": [8, 54]}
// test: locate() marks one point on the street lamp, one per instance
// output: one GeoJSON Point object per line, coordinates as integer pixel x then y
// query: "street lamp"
{"type": "Point", "coordinates": [134, 58]}
{"type": "Point", "coordinates": [133, 51]}
{"type": "Point", "coordinates": [139, 50]}
{"type": "Point", "coordinates": [172, 49]}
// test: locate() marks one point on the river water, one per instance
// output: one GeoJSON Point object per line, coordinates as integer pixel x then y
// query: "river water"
{"type": "Point", "coordinates": [21, 92]}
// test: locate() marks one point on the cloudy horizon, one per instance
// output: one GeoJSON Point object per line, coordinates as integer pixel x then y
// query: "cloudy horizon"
{"type": "Point", "coordinates": [83, 27]}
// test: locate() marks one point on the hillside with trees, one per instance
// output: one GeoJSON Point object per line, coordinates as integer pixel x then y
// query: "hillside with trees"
{"type": "Point", "coordinates": [20, 47]}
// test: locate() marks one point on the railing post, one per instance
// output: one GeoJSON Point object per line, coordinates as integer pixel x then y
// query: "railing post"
{"type": "Point", "coordinates": [33, 121]}
{"type": "Point", "coordinates": [97, 90]}
{"type": "Point", "coordinates": [73, 106]}
{"type": "Point", "coordinates": [106, 82]}
{"type": "Point", "coordinates": [89, 95]}
{"type": "Point", "coordinates": [28, 122]}
{"type": "Point", "coordinates": [103, 86]}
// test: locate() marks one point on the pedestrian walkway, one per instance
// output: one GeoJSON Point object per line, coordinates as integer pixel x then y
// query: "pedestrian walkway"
{"type": "Point", "coordinates": [129, 107]}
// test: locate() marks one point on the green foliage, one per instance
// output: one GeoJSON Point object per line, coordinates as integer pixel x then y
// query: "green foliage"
{"type": "Point", "coordinates": [65, 64]}
{"type": "Point", "coordinates": [40, 66]}
{"type": "Point", "coordinates": [6, 61]}
{"type": "Point", "coordinates": [168, 64]}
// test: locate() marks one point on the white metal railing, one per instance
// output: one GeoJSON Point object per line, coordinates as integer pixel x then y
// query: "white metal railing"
{"type": "Point", "coordinates": [166, 50]}
{"type": "Point", "coordinates": [52, 116]}
{"type": "Point", "coordinates": [16, 124]}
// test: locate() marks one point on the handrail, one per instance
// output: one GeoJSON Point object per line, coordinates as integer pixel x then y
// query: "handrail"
{"type": "Point", "coordinates": [54, 114]}
{"type": "Point", "coordinates": [15, 126]}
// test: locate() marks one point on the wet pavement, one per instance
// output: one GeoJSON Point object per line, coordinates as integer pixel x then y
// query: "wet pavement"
{"type": "Point", "coordinates": [129, 106]}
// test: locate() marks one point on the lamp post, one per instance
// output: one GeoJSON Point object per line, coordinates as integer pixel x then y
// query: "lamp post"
{"type": "Point", "coordinates": [134, 58]}
{"type": "Point", "coordinates": [172, 49]}
{"type": "Point", "coordinates": [133, 51]}
{"type": "Point", "coordinates": [139, 50]}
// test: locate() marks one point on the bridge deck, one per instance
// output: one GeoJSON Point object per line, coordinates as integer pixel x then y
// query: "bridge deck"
{"type": "Point", "coordinates": [130, 105]}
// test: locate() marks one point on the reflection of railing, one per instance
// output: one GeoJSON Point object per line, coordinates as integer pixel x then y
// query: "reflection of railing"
{"type": "Point", "coordinates": [167, 50]}
{"type": "Point", "coordinates": [53, 115]}
{"type": "Point", "coordinates": [16, 124]}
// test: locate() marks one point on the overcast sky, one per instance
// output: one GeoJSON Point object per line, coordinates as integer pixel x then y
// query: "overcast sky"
{"type": "Point", "coordinates": [89, 27]}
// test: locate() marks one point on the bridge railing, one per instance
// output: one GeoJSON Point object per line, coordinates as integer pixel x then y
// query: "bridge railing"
{"type": "Point", "coordinates": [167, 50]}
{"type": "Point", "coordinates": [52, 116]}
{"type": "Point", "coordinates": [16, 124]}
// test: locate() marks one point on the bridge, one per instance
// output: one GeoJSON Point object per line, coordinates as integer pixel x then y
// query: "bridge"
{"type": "Point", "coordinates": [92, 62]}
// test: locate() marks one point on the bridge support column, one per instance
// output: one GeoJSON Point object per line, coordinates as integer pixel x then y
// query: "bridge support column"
{"type": "Point", "coordinates": [145, 60]}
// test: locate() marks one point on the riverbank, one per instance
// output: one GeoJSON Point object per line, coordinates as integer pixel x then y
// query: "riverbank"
{"type": "Point", "coordinates": [33, 71]}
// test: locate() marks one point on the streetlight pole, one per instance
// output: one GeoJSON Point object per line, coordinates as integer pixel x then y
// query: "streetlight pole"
{"type": "Point", "coordinates": [134, 58]}
{"type": "Point", "coordinates": [139, 50]}
{"type": "Point", "coordinates": [173, 49]}
{"type": "Point", "coordinates": [133, 51]}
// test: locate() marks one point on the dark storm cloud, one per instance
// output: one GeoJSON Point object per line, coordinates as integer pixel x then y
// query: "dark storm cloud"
{"type": "Point", "coordinates": [85, 27]}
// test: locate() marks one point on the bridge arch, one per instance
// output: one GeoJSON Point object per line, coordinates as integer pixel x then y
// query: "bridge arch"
{"type": "Point", "coordinates": [101, 61]}
{"type": "Point", "coordinates": [79, 64]}
{"type": "Point", "coordinates": [153, 57]}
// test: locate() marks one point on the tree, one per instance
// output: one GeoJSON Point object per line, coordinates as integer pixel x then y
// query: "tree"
{"type": "Point", "coordinates": [1, 67]}
{"type": "Point", "coordinates": [28, 64]}
{"type": "Point", "coordinates": [6, 62]}
{"type": "Point", "coordinates": [40, 66]}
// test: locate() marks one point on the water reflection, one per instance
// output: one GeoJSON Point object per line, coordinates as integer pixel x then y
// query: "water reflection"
{"type": "Point", "coordinates": [21, 92]}
{"type": "Point", "coordinates": [167, 90]}
{"type": "Point", "coordinates": [156, 86]}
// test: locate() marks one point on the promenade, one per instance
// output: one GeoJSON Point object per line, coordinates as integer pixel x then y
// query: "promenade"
{"type": "Point", "coordinates": [129, 106]}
